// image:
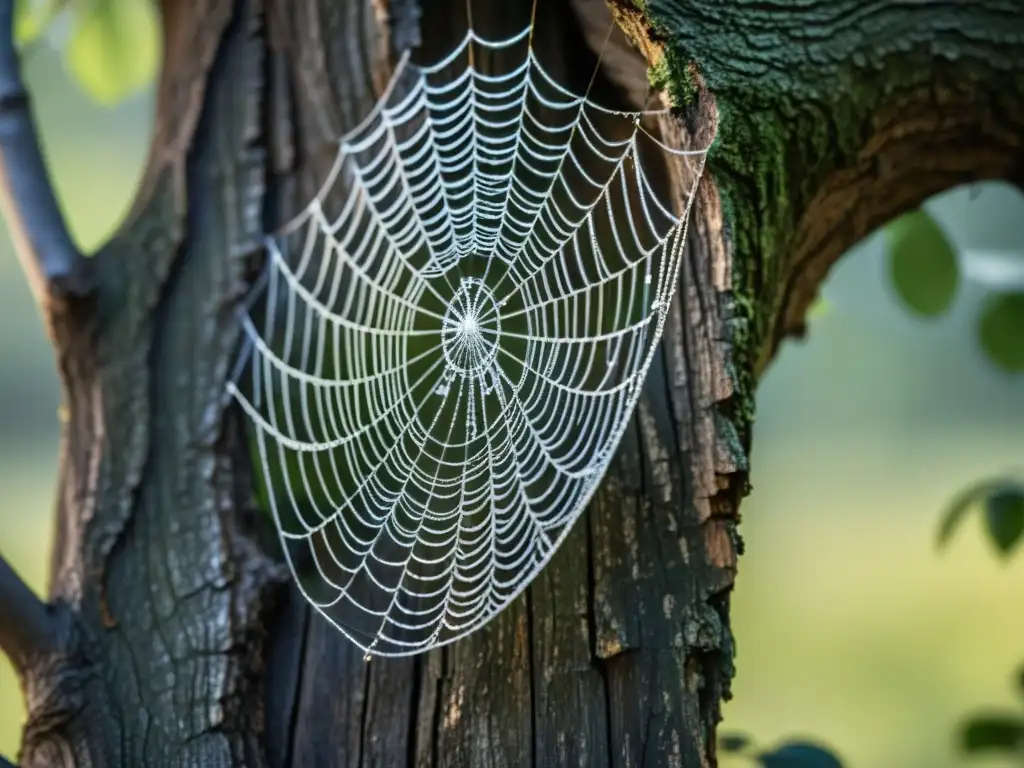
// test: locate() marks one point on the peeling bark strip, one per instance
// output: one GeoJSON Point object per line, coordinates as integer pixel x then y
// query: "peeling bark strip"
{"type": "Point", "coordinates": [834, 116]}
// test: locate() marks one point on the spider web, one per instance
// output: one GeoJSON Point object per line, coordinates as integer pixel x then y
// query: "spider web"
{"type": "Point", "coordinates": [450, 340]}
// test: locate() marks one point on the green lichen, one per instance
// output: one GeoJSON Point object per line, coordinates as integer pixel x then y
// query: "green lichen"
{"type": "Point", "coordinates": [673, 73]}
{"type": "Point", "coordinates": [682, 88]}
{"type": "Point", "coordinates": [751, 162]}
{"type": "Point", "coordinates": [732, 160]}
{"type": "Point", "coordinates": [658, 75]}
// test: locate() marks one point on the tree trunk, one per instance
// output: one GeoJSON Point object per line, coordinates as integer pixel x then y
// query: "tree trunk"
{"type": "Point", "coordinates": [177, 638]}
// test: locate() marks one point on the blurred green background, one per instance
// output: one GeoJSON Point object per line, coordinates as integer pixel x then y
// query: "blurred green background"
{"type": "Point", "coordinates": [850, 627]}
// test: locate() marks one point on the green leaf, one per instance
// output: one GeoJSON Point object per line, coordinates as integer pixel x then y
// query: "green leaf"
{"type": "Point", "coordinates": [113, 47]}
{"type": "Point", "coordinates": [961, 504]}
{"type": "Point", "coordinates": [922, 263]}
{"type": "Point", "coordinates": [1001, 330]}
{"type": "Point", "coordinates": [734, 742]}
{"type": "Point", "coordinates": [1002, 732]}
{"type": "Point", "coordinates": [1004, 513]}
{"type": "Point", "coordinates": [30, 19]}
{"type": "Point", "coordinates": [819, 308]}
{"type": "Point", "coordinates": [797, 754]}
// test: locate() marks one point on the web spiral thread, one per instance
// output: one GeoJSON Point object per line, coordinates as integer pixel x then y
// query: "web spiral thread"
{"type": "Point", "coordinates": [451, 340]}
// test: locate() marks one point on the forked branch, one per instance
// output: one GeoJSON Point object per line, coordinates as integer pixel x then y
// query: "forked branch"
{"type": "Point", "coordinates": [27, 625]}
{"type": "Point", "coordinates": [53, 264]}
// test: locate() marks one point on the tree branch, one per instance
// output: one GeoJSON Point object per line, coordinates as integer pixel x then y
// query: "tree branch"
{"type": "Point", "coordinates": [27, 626]}
{"type": "Point", "coordinates": [53, 264]}
{"type": "Point", "coordinates": [838, 116]}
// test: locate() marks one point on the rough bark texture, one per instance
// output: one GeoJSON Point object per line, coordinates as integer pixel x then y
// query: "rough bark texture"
{"type": "Point", "coordinates": [182, 643]}
{"type": "Point", "coordinates": [836, 116]}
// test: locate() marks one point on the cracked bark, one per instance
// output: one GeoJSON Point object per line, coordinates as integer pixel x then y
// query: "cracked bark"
{"type": "Point", "coordinates": [183, 646]}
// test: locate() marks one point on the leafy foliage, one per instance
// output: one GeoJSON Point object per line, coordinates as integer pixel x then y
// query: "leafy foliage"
{"type": "Point", "coordinates": [925, 274]}
{"type": "Point", "coordinates": [31, 18]}
{"type": "Point", "coordinates": [922, 263]}
{"type": "Point", "coordinates": [113, 45]}
{"type": "Point", "coordinates": [1003, 503]}
{"type": "Point", "coordinates": [735, 742]}
{"type": "Point", "coordinates": [819, 308]}
{"type": "Point", "coordinates": [1001, 330]}
{"type": "Point", "coordinates": [993, 733]}
{"type": "Point", "coordinates": [1004, 512]}
{"type": "Point", "coordinates": [790, 754]}
{"type": "Point", "coordinates": [1001, 732]}
{"type": "Point", "coordinates": [798, 754]}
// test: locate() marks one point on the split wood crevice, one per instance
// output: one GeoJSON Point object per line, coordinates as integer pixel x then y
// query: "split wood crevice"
{"type": "Point", "coordinates": [173, 637]}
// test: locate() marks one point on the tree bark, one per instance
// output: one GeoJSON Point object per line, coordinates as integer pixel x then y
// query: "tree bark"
{"type": "Point", "coordinates": [176, 637]}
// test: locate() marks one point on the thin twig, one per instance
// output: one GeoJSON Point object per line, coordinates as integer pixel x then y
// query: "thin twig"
{"type": "Point", "coordinates": [53, 264]}
{"type": "Point", "coordinates": [27, 626]}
